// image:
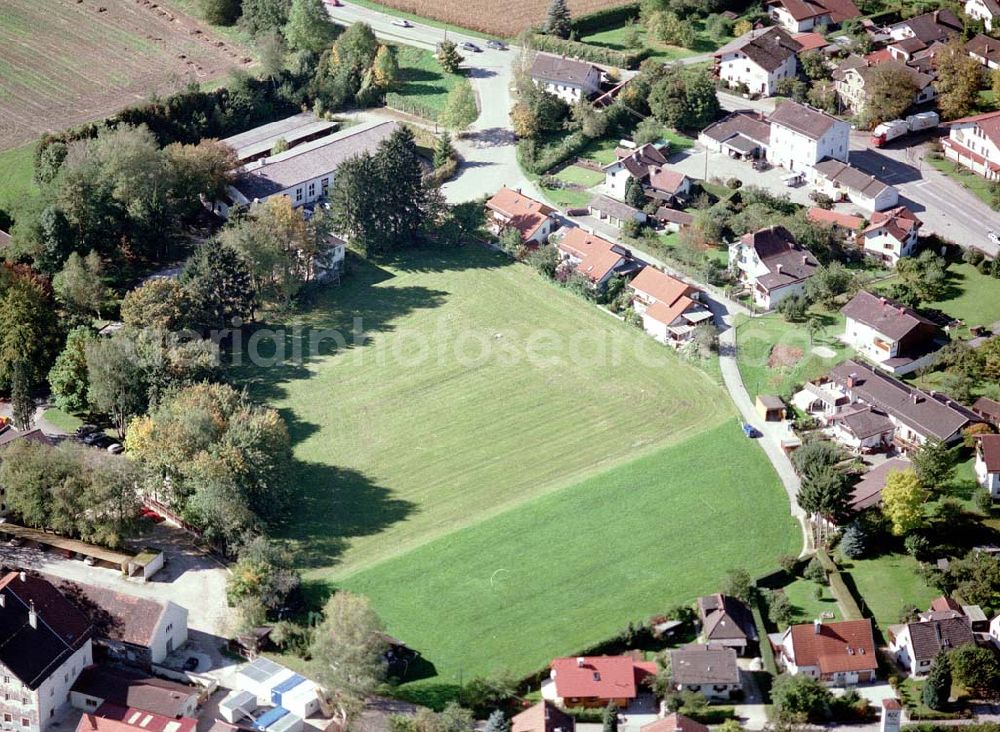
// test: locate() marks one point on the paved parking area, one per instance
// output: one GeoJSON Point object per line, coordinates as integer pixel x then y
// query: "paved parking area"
{"type": "Point", "coordinates": [701, 163]}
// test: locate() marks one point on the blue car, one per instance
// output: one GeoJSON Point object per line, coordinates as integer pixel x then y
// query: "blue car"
{"type": "Point", "coordinates": [750, 431]}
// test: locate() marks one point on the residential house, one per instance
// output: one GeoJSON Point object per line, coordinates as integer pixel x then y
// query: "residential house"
{"type": "Point", "coordinates": [674, 723]}
{"type": "Point", "coordinates": [862, 428]}
{"type": "Point", "coordinates": [137, 631]}
{"type": "Point", "coordinates": [995, 631]}
{"type": "Point", "coordinates": [772, 264]}
{"type": "Point", "coordinates": [594, 681]}
{"type": "Point", "coordinates": [709, 670]}
{"type": "Point", "coordinates": [728, 622]}
{"type": "Point", "coordinates": [305, 172]}
{"type": "Point", "coordinates": [670, 309]}
{"type": "Point", "coordinates": [758, 60]}
{"type": "Point", "coordinates": [988, 409]}
{"type": "Point", "coordinates": [44, 645]}
{"type": "Point", "coordinates": [797, 16]}
{"type": "Point", "coordinates": [801, 136]}
{"type": "Point", "coordinates": [894, 337]}
{"type": "Point", "coordinates": [985, 50]}
{"type": "Point", "coordinates": [614, 212]}
{"type": "Point", "coordinates": [672, 220]}
{"type": "Point", "coordinates": [543, 717]}
{"type": "Point", "coordinates": [98, 685]}
{"type": "Point", "coordinates": [846, 225]}
{"type": "Point", "coordinates": [286, 133]}
{"type": "Point", "coordinates": [594, 257]}
{"type": "Point", "coordinates": [329, 262]}
{"type": "Point", "coordinates": [987, 11]}
{"type": "Point", "coordinates": [851, 82]}
{"type": "Point", "coordinates": [916, 645]}
{"type": "Point", "coordinates": [811, 41]}
{"type": "Point", "coordinates": [919, 416]}
{"type": "Point", "coordinates": [509, 208]}
{"type": "Point", "coordinates": [988, 463]}
{"type": "Point", "coordinates": [631, 164]}
{"type": "Point", "coordinates": [841, 181]}
{"type": "Point", "coordinates": [566, 78]}
{"type": "Point", "coordinates": [867, 492]}
{"type": "Point", "coordinates": [892, 235]}
{"type": "Point", "coordinates": [974, 142]}
{"type": "Point", "coordinates": [670, 187]}
{"type": "Point", "coordinates": [10, 435]}
{"type": "Point", "coordinates": [114, 718]}
{"type": "Point", "coordinates": [946, 606]}
{"type": "Point", "coordinates": [840, 654]}
{"type": "Point", "coordinates": [937, 26]}
{"type": "Point", "coordinates": [743, 134]}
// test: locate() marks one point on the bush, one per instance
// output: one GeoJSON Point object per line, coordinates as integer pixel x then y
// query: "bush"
{"type": "Point", "coordinates": [917, 546]}
{"type": "Point", "coordinates": [605, 18]}
{"type": "Point", "coordinates": [815, 572]}
{"type": "Point", "coordinates": [789, 563]}
{"type": "Point", "coordinates": [587, 52]}
{"type": "Point", "coordinates": [984, 502]}
{"type": "Point", "coordinates": [397, 101]}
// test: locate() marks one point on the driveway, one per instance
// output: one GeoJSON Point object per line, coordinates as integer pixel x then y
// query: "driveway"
{"type": "Point", "coordinates": [701, 163]}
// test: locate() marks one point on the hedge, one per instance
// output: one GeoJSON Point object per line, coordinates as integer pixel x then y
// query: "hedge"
{"type": "Point", "coordinates": [766, 652]}
{"type": "Point", "coordinates": [397, 101]}
{"type": "Point", "coordinates": [605, 18]}
{"type": "Point", "coordinates": [587, 51]}
{"type": "Point", "coordinates": [841, 591]}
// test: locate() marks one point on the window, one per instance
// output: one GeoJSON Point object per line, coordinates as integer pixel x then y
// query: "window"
{"type": "Point", "coordinates": [90, 703]}
{"type": "Point", "coordinates": [170, 626]}
{"type": "Point", "coordinates": [312, 190]}
{"type": "Point", "coordinates": [324, 184]}
{"type": "Point", "coordinates": [298, 194]}
{"type": "Point", "coordinates": [7, 718]}
{"type": "Point", "coordinates": [25, 722]}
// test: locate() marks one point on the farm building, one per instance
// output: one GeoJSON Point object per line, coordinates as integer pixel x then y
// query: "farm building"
{"type": "Point", "coordinates": [98, 685]}
{"type": "Point", "coordinates": [292, 131]}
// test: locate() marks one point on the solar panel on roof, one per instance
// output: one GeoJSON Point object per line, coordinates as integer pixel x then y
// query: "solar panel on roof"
{"type": "Point", "coordinates": [261, 669]}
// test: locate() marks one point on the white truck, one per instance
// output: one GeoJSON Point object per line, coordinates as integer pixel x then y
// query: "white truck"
{"type": "Point", "coordinates": [888, 131]}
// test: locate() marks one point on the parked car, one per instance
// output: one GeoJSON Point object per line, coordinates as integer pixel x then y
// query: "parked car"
{"type": "Point", "coordinates": [116, 448]}
{"type": "Point", "coordinates": [496, 45]}
{"type": "Point", "coordinates": [87, 429]}
{"type": "Point", "coordinates": [191, 664]}
{"type": "Point", "coordinates": [402, 23]}
{"type": "Point", "coordinates": [466, 46]}
{"type": "Point", "coordinates": [750, 431]}
{"type": "Point", "coordinates": [14, 541]}
{"type": "Point", "coordinates": [994, 237]}
{"type": "Point", "coordinates": [89, 561]}
{"type": "Point", "coordinates": [761, 165]}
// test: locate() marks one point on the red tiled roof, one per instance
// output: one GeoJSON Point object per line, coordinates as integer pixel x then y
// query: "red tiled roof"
{"type": "Point", "coordinates": [989, 123]}
{"type": "Point", "coordinates": [898, 222]}
{"type": "Point", "coordinates": [824, 216]}
{"type": "Point", "coordinates": [667, 314]}
{"type": "Point", "coordinates": [835, 647]}
{"type": "Point", "coordinates": [115, 718]}
{"type": "Point", "coordinates": [600, 677]}
{"type": "Point", "coordinates": [878, 57]}
{"type": "Point", "coordinates": [525, 213]}
{"type": "Point", "coordinates": [674, 723]}
{"type": "Point", "coordinates": [543, 717]}
{"type": "Point", "coordinates": [664, 179]}
{"type": "Point", "coordinates": [660, 286]}
{"type": "Point", "coordinates": [596, 254]}
{"type": "Point", "coordinates": [944, 603]}
{"type": "Point", "coordinates": [810, 41]}
{"type": "Point", "coordinates": [990, 447]}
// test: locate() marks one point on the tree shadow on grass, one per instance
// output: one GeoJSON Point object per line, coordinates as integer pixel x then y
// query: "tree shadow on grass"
{"type": "Point", "coordinates": [447, 259]}
{"type": "Point", "coordinates": [411, 74]}
{"type": "Point", "coordinates": [333, 505]}
{"type": "Point", "coordinates": [423, 90]}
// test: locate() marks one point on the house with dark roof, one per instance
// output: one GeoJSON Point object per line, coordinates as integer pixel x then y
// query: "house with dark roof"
{"type": "Point", "coordinates": [726, 621]}
{"type": "Point", "coordinates": [305, 172]}
{"type": "Point", "coordinates": [839, 654]}
{"type": "Point", "coordinates": [915, 645]}
{"type": "Point", "coordinates": [137, 631]}
{"type": "Point", "coordinates": [594, 681]}
{"type": "Point", "coordinates": [974, 142]}
{"type": "Point", "coordinates": [613, 211]}
{"type": "Point", "coordinates": [543, 717]}
{"type": "Point", "coordinates": [98, 685]}
{"type": "Point", "coordinates": [670, 309]}
{"type": "Point", "coordinates": [843, 182]}
{"type": "Point", "coordinates": [44, 646]}
{"type": "Point", "coordinates": [706, 669]}
{"type": "Point", "coordinates": [772, 265]}
{"type": "Point", "coordinates": [988, 409]}
{"type": "Point", "coordinates": [259, 142]}
{"type": "Point", "coordinates": [743, 134]}
{"type": "Point", "coordinates": [862, 428]}
{"type": "Point", "coordinates": [987, 11]}
{"type": "Point", "coordinates": [894, 337]}
{"type": "Point", "coordinates": [937, 26]}
{"type": "Point", "coordinates": [797, 16]}
{"type": "Point", "coordinates": [985, 50]}
{"type": "Point", "coordinates": [918, 416]}
{"type": "Point", "coordinates": [595, 257]}
{"type": "Point", "coordinates": [647, 165]}
{"type": "Point", "coordinates": [988, 464]}
{"type": "Point", "coordinates": [758, 60]}
{"type": "Point", "coordinates": [867, 492]}
{"type": "Point", "coordinates": [511, 209]}
{"type": "Point", "coordinates": [891, 235]}
{"type": "Point", "coordinates": [566, 78]}
{"type": "Point", "coordinates": [852, 80]}
{"type": "Point", "coordinates": [948, 607]}
{"type": "Point", "coordinates": [801, 136]}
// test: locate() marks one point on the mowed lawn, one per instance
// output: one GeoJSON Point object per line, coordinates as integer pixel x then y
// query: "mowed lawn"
{"type": "Point", "coordinates": [16, 175]}
{"type": "Point", "coordinates": [477, 387]}
{"type": "Point", "coordinates": [887, 584]}
{"type": "Point", "coordinates": [562, 572]}
{"type": "Point", "coordinates": [421, 78]}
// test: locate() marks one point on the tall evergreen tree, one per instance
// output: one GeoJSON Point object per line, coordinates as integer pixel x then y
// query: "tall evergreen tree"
{"type": "Point", "coordinates": [937, 688]}
{"type": "Point", "coordinates": [309, 27]}
{"type": "Point", "coordinates": [609, 718]}
{"type": "Point", "coordinates": [497, 722]}
{"type": "Point", "coordinates": [558, 21]}
{"type": "Point", "coordinates": [21, 403]}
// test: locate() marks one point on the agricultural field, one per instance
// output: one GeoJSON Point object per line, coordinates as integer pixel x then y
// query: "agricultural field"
{"type": "Point", "coordinates": [550, 440]}
{"type": "Point", "coordinates": [54, 60]}
{"type": "Point", "coordinates": [483, 15]}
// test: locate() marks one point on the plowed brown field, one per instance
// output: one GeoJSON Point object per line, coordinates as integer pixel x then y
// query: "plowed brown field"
{"type": "Point", "coordinates": [64, 62]}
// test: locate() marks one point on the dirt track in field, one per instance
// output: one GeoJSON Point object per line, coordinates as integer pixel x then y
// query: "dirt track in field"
{"type": "Point", "coordinates": [489, 16]}
{"type": "Point", "coordinates": [65, 62]}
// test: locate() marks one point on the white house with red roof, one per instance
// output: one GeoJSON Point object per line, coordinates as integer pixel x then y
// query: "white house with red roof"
{"type": "Point", "coordinates": [974, 142]}
{"type": "Point", "coordinates": [509, 208]}
{"type": "Point", "coordinates": [595, 257]}
{"type": "Point", "coordinates": [797, 16]}
{"type": "Point", "coordinates": [594, 681]}
{"type": "Point", "coordinates": [892, 235]}
{"type": "Point", "coordinates": [670, 309]}
{"type": "Point", "coordinates": [759, 60]}
{"type": "Point", "coordinates": [674, 723]}
{"type": "Point", "coordinates": [844, 224]}
{"type": "Point", "coordinates": [839, 654]}
{"type": "Point", "coordinates": [988, 464]}
{"type": "Point", "coordinates": [772, 264]}
{"type": "Point", "coordinates": [987, 11]}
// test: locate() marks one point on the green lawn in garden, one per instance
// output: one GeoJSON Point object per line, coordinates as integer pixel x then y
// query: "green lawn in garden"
{"type": "Point", "coordinates": [60, 420]}
{"type": "Point", "coordinates": [886, 585]}
{"type": "Point", "coordinates": [976, 184]}
{"type": "Point", "coordinates": [493, 425]}
{"type": "Point", "coordinates": [758, 338]}
{"type": "Point", "coordinates": [616, 38]}
{"type": "Point", "coordinates": [16, 170]}
{"type": "Point", "coordinates": [560, 573]}
{"type": "Point", "coordinates": [421, 78]}
{"type": "Point", "coordinates": [802, 595]}
{"type": "Point", "coordinates": [578, 175]}
{"type": "Point", "coordinates": [973, 297]}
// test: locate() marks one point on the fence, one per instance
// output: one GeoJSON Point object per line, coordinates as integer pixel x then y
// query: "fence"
{"type": "Point", "coordinates": [397, 101]}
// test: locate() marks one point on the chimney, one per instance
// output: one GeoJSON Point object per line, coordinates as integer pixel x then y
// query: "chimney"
{"type": "Point", "coordinates": [902, 310]}
{"type": "Point", "coordinates": [805, 259]}
{"type": "Point", "coordinates": [882, 300]}
{"type": "Point", "coordinates": [851, 380]}
{"type": "Point", "coordinates": [24, 576]}
{"type": "Point", "coordinates": [3, 600]}
{"type": "Point", "coordinates": [579, 661]}
{"type": "Point", "coordinates": [32, 615]}
{"type": "Point", "coordinates": [817, 626]}
{"type": "Point", "coordinates": [778, 268]}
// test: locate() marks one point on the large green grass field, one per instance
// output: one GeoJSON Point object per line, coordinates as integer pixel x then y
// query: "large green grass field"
{"type": "Point", "coordinates": [16, 175]}
{"type": "Point", "coordinates": [489, 420]}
